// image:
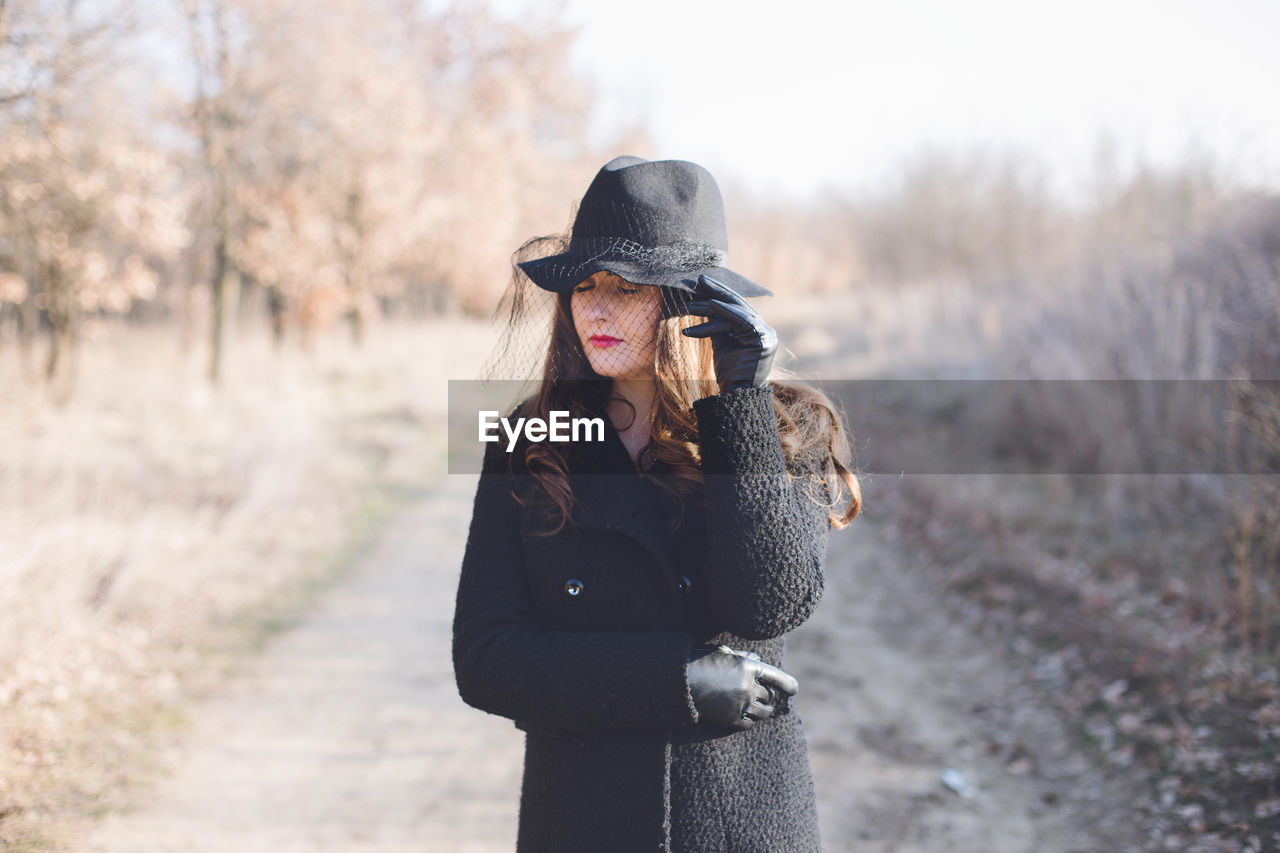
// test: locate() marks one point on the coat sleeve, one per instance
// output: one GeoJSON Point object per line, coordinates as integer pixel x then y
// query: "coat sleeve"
{"type": "Point", "coordinates": [507, 664]}
{"type": "Point", "coordinates": [766, 537]}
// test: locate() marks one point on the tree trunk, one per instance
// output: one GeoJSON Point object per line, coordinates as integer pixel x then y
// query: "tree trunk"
{"type": "Point", "coordinates": [28, 323]}
{"type": "Point", "coordinates": [357, 320]}
{"type": "Point", "coordinates": [355, 273]}
{"type": "Point", "coordinates": [186, 314]}
{"type": "Point", "coordinates": [276, 305]}
{"type": "Point", "coordinates": [226, 296]}
{"type": "Point", "coordinates": [215, 342]}
{"type": "Point", "coordinates": [64, 317]}
{"type": "Point", "coordinates": [213, 116]}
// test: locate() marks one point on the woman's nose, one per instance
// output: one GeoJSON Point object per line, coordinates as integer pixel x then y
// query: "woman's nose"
{"type": "Point", "coordinates": [598, 307]}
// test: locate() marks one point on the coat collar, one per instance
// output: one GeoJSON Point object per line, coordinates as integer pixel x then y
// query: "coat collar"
{"type": "Point", "coordinates": [610, 493]}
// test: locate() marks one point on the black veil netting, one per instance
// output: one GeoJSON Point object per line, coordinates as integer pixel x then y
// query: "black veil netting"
{"type": "Point", "coordinates": [524, 317]}
{"type": "Point", "coordinates": [522, 321]}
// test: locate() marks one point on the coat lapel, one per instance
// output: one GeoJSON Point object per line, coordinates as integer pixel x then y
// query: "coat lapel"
{"type": "Point", "coordinates": [610, 494]}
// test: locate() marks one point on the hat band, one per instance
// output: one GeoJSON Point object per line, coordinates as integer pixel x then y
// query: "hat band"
{"type": "Point", "coordinates": [681, 255]}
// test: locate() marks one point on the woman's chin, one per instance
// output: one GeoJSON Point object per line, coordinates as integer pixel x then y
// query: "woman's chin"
{"type": "Point", "coordinates": [610, 371]}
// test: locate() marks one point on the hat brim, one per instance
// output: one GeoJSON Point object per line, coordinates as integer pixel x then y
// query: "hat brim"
{"type": "Point", "coordinates": [562, 272]}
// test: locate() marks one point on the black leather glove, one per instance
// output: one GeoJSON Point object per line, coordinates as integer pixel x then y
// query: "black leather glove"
{"type": "Point", "coordinates": [743, 343]}
{"type": "Point", "coordinates": [734, 689]}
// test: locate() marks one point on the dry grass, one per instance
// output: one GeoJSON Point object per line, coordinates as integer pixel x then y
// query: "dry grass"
{"type": "Point", "coordinates": [151, 526]}
{"type": "Point", "coordinates": [1149, 607]}
{"type": "Point", "coordinates": [940, 328]}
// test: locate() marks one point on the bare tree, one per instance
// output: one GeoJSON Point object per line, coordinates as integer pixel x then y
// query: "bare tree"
{"type": "Point", "coordinates": [85, 194]}
{"type": "Point", "coordinates": [216, 111]}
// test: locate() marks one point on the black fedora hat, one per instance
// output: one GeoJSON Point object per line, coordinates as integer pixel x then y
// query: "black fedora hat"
{"type": "Point", "coordinates": [655, 222]}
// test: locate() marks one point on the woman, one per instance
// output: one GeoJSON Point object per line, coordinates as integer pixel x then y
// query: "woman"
{"type": "Point", "coordinates": [624, 600]}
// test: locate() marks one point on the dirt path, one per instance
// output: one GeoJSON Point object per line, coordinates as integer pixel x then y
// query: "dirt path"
{"type": "Point", "coordinates": [348, 735]}
{"type": "Point", "coordinates": [897, 692]}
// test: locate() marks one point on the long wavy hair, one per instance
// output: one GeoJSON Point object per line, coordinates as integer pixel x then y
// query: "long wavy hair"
{"type": "Point", "coordinates": [812, 432]}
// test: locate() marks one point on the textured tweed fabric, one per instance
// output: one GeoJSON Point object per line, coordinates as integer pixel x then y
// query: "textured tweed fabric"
{"type": "Point", "coordinates": [583, 638]}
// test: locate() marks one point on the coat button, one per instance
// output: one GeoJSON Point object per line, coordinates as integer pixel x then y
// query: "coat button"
{"type": "Point", "coordinates": [573, 586]}
{"type": "Point", "coordinates": [684, 583]}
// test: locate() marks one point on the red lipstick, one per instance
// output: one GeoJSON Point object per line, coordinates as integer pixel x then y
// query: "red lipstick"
{"type": "Point", "coordinates": [604, 341]}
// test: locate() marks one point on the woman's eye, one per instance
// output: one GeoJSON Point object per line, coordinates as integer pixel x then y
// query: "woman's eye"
{"type": "Point", "coordinates": [583, 288]}
{"type": "Point", "coordinates": [625, 290]}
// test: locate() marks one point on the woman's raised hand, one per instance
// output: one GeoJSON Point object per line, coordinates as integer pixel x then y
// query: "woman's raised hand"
{"type": "Point", "coordinates": [735, 690]}
{"type": "Point", "coordinates": [743, 343]}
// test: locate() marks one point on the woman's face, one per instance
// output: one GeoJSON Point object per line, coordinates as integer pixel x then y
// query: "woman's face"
{"type": "Point", "coordinates": [617, 323]}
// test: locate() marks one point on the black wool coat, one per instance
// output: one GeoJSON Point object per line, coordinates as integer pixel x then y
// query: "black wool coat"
{"type": "Point", "coordinates": [583, 638]}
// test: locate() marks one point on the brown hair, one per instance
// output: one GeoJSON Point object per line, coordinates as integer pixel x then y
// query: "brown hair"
{"type": "Point", "coordinates": [811, 430]}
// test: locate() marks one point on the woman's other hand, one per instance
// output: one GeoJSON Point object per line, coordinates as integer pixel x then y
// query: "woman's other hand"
{"type": "Point", "coordinates": [734, 690]}
{"type": "Point", "coordinates": [743, 343]}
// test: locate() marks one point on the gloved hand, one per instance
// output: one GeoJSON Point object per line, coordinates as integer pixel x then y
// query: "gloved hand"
{"type": "Point", "coordinates": [743, 343]}
{"type": "Point", "coordinates": [735, 689]}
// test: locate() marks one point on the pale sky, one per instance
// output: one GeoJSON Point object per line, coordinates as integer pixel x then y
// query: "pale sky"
{"type": "Point", "coordinates": [794, 94]}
